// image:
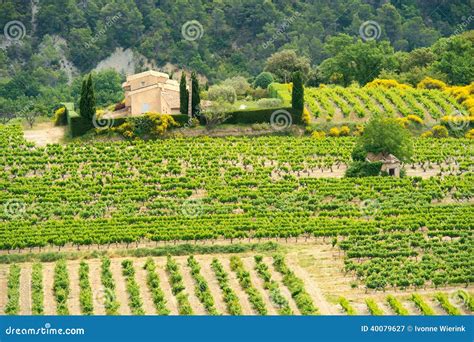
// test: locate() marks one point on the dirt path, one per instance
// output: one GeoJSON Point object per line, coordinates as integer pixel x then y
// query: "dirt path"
{"type": "Point", "coordinates": [171, 302]}
{"type": "Point", "coordinates": [3, 287]}
{"type": "Point", "coordinates": [25, 289]}
{"type": "Point", "coordinates": [96, 285]}
{"type": "Point", "coordinates": [208, 274]}
{"type": "Point", "coordinates": [235, 285]}
{"type": "Point", "coordinates": [311, 285]}
{"type": "Point", "coordinates": [140, 277]}
{"type": "Point", "coordinates": [74, 288]}
{"type": "Point", "coordinates": [48, 280]}
{"type": "Point", "coordinates": [189, 285]}
{"type": "Point", "coordinates": [45, 133]}
{"type": "Point", "coordinates": [120, 286]}
{"type": "Point", "coordinates": [276, 276]}
{"type": "Point", "coordinates": [257, 282]}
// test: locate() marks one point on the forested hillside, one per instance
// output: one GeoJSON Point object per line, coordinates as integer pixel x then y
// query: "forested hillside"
{"type": "Point", "coordinates": [337, 41]}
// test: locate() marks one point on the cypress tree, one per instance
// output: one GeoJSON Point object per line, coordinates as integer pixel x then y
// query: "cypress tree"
{"type": "Point", "coordinates": [183, 95]}
{"type": "Point", "coordinates": [297, 98]}
{"type": "Point", "coordinates": [87, 101]}
{"type": "Point", "coordinates": [196, 99]}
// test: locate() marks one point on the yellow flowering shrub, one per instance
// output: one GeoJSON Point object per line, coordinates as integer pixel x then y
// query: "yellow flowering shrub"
{"type": "Point", "coordinates": [334, 132]}
{"type": "Point", "coordinates": [306, 118]}
{"type": "Point", "coordinates": [415, 119]}
{"type": "Point", "coordinates": [60, 118]}
{"type": "Point", "coordinates": [387, 84]}
{"type": "Point", "coordinates": [427, 134]}
{"type": "Point", "coordinates": [431, 83]}
{"type": "Point", "coordinates": [470, 134]}
{"type": "Point", "coordinates": [440, 131]}
{"type": "Point", "coordinates": [318, 135]}
{"type": "Point", "coordinates": [344, 131]}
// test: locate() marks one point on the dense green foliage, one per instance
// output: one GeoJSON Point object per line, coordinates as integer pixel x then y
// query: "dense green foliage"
{"type": "Point", "coordinates": [85, 294]}
{"type": "Point", "coordinates": [153, 282]}
{"type": "Point", "coordinates": [272, 286]}
{"type": "Point", "coordinates": [177, 287]}
{"type": "Point", "coordinates": [134, 300]}
{"type": "Point", "coordinates": [203, 293]}
{"type": "Point", "coordinates": [87, 101]}
{"type": "Point", "coordinates": [61, 287]}
{"type": "Point", "coordinates": [255, 298]}
{"type": "Point", "coordinates": [297, 96]}
{"type": "Point", "coordinates": [230, 298]}
{"type": "Point", "coordinates": [37, 296]}
{"type": "Point", "coordinates": [296, 286]}
{"type": "Point", "coordinates": [236, 38]}
{"type": "Point", "coordinates": [13, 291]}
{"type": "Point", "coordinates": [108, 296]}
{"type": "Point", "coordinates": [127, 192]}
{"type": "Point", "coordinates": [183, 95]}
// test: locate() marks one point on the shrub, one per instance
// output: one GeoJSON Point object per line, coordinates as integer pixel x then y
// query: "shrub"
{"type": "Point", "coordinates": [60, 117]}
{"type": "Point", "coordinates": [263, 80]}
{"type": "Point", "coordinates": [344, 131]}
{"type": "Point", "coordinates": [388, 84]}
{"type": "Point", "coordinates": [239, 84]}
{"type": "Point", "coordinates": [334, 132]}
{"type": "Point", "coordinates": [415, 119]}
{"type": "Point", "coordinates": [431, 83]}
{"type": "Point", "coordinates": [269, 103]}
{"type": "Point", "coordinates": [364, 169]}
{"type": "Point", "coordinates": [440, 131]}
{"type": "Point", "coordinates": [306, 118]}
{"type": "Point", "coordinates": [427, 134]}
{"type": "Point", "coordinates": [220, 92]}
{"type": "Point", "coordinates": [470, 134]}
{"type": "Point", "coordinates": [151, 125]}
{"type": "Point", "coordinates": [259, 93]}
{"type": "Point", "coordinates": [77, 124]}
{"type": "Point", "coordinates": [318, 135]}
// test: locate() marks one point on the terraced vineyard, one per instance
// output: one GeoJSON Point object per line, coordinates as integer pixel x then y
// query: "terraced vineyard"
{"type": "Point", "coordinates": [353, 104]}
{"type": "Point", "coordinates": [255, 284]}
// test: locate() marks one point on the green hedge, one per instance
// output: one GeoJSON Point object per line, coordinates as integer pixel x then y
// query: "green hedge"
{"type": "Point", "coordinates": [77, 124]}
{"type": "Point", "coordinates": [259, 116]}
{"type": "Point", "coordinates": [364, 169]}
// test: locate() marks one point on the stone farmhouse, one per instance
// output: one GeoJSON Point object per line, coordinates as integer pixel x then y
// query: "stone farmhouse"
{"type": "Point", "coordinates": [390, 163]}
{"type": "Point", "coordinates": [151, 91]}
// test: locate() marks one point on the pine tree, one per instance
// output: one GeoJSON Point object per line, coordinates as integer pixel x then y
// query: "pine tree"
{"type": "Point", "coordinates": [183, 95]}
{"type": "Point", "coordinates": [297, 99]}
{"type": "Point", "coordinates": [87, 101]}
{"type": "Point", "coordinates": [196, 99]}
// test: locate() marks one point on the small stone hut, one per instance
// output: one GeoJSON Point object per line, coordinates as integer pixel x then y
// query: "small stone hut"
{"type": "Point", "coordinates": [390, 163]}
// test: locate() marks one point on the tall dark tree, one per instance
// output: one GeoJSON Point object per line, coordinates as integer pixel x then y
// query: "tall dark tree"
{"type": "Point", "coordinates": [87, 101]}
{"type": "Point", "coordinates": [183, 95]}
{"type": "Point", "coordinates": [297, 99]}
{"type": "Point", "coordinates": [196, 99]}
